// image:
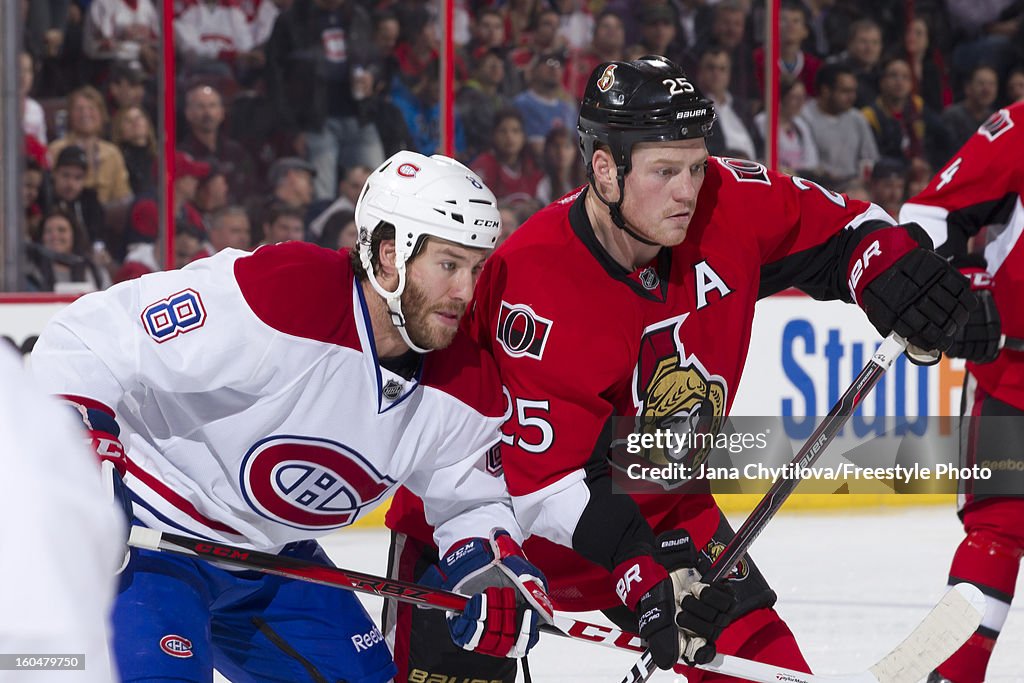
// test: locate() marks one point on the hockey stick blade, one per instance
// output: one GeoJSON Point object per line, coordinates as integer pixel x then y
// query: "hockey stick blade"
{"type": "Point", "coordinates": [947, 627]}
{"type": "Point", "coordinates": [942, 632]}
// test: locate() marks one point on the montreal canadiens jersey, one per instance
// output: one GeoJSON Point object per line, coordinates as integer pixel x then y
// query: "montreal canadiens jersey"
{"type": "Point", "coordinates": [256, 410]}
{"type": "Point", "coordinates": [579, 339]}
{"type": "Point", "coordinates": [983, 186]}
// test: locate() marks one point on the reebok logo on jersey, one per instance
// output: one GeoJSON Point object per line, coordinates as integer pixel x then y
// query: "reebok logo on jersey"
{"type": "Point", "coordinates": [521, 332]}
{"type": "Point", "coordinates": [365, 641]}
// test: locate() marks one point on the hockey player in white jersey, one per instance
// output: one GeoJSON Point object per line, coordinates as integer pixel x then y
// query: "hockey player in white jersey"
{"type": "Point", "coordinates": [266, 399]}
{"type": "Point", "coordinates": [59, 535]}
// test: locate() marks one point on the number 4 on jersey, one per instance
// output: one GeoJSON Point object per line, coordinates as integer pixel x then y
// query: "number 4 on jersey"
{"type": "Point", "coordinates": [948, 173]}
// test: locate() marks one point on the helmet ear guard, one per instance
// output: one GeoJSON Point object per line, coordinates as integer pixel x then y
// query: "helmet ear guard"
{"type": "Point", "coordinates": [421, 197]}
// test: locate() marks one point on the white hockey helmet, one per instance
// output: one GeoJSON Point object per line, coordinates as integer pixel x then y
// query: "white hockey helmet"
{"type": "Point", "coordinates": [422, 196]}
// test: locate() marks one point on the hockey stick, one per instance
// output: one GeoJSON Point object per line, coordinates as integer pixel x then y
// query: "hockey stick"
{"type": "Point", "coordinates": [1011, 343]}
{"type": "Point", "coordinates": [758, 519]}
{"type": "Point", "coordinates": [945, 628]}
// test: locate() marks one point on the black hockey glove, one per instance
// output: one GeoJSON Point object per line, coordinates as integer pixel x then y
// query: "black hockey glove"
{"type": "Point", "coordinates": [908, 289]}
{"type": "Point", "coordinates": [704, 609]}
{"type": "Point", "coordinates": [644, 586]}
{"type": "Point", "coordinates": [675, 624]}
{"type": "Point", "coordinates": [978, 340]}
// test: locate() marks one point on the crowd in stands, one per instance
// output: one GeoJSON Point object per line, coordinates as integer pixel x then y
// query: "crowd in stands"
{"type": "Point", "coordinates": [284, 106]}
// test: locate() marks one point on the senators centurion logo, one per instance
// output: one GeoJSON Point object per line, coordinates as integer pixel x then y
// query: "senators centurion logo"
{"type": "Point", "coordinates": [673, 391]}
{"type": "Point", "coordinates": [607, 79]}
{"type": "Point", "coordinates": [739, 572]}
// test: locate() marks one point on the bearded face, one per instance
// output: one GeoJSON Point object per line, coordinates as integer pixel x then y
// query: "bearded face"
{"type": "Point", "coordinates": [428, 322]}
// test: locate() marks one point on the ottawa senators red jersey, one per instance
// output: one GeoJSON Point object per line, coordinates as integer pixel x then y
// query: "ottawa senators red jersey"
{"type": "Point", "coordinates": [983, 186]}
{"type": "Point", "coordinates": [579, 339]}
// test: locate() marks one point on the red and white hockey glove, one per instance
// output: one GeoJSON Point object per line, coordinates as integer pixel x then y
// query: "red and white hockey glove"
{"type": "Point", "coordinates": [906, 288]}
{"type": "Point", "coordinates": [508, 600]}
{"type": "Point", "coordinates": [978, 340]}
{"type": "Point", "coordinates": [103, 435]}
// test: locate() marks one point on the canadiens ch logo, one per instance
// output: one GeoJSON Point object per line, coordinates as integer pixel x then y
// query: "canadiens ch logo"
{"type": "Point", "coordinates": [521, 332]}
{"type": "Point", "coordinates": [408, 170]}
{"type": "Point", "coordinates": [673, 390]}
{"type": "Point", "coordinates": [176, 646]}
{"type": "Point", "coordinates": [310, 483]}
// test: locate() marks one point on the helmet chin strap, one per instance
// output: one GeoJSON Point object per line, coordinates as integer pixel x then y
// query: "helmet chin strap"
{"type": "Point", "coordinates": [394, 302]}
{"type": "Point", "coordinates": [615, 208]}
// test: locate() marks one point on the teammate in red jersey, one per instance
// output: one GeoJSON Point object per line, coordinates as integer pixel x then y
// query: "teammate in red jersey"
{"type": "Point", "coordinates": [982, 186]}
{"type": "Point", "coordinates": [634, 296]}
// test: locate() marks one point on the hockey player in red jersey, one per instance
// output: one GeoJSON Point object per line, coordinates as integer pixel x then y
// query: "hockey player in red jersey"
{"type": "Point", "coordinates": [983, 185]}
{"type": "Point", "coordinates": [634, 296]}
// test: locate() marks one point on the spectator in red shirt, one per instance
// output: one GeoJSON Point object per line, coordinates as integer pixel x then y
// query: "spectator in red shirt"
{"type": "Point", "coordinates": [793, 62]}
{"type": "Point", "coordinates": [508, 168]}
{"type": "Point", "coordinates": [607, 45]}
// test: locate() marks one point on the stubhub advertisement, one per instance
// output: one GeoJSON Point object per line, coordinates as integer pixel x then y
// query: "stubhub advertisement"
{"type": "Point", "coordinates": [804, 354]}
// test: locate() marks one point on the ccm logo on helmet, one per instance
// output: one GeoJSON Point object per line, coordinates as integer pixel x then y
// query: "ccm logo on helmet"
{"type": "Point", "coordinates": [408, 170]}
{"type": "Point", "coordinates": [485, 223]}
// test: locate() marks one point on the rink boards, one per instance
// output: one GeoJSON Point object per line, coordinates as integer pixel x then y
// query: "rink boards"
{"type": "Point", "coordinates": [803, 355]}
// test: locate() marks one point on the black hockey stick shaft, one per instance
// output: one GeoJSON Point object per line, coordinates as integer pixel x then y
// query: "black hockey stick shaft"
{"type": "Point", "coordinates": [1011, 343]}
{"type": "Point", "coordinates": [769, 505]}
{"type": "Point", "coordinates": [294, 568]}
{"type": "Point", "coordinates": [808, 454]}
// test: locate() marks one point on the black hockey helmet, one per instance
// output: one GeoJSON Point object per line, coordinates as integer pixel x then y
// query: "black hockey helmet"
{"type": "Point", "coordinates": [647, 100]}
